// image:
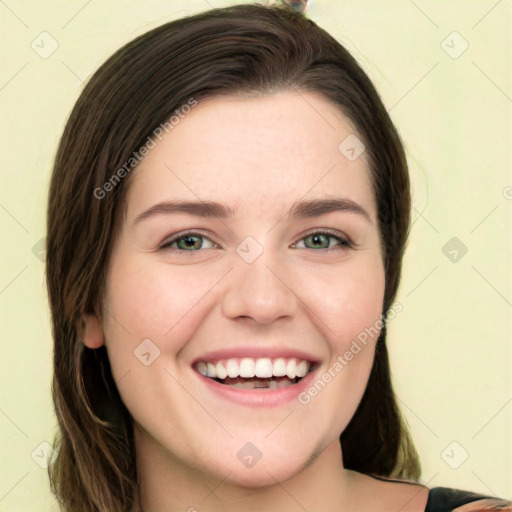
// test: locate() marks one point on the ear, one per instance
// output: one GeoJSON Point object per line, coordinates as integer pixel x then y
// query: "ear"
{"type": "Point", "coordinates": [91, 331]}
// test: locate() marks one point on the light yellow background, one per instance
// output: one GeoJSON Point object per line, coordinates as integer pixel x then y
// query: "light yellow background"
{"type": "Point", "coordinates": [450, 346]}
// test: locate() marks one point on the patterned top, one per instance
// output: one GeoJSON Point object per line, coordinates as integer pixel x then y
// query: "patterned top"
{"type": "Point", "coordinates": [442, 499]}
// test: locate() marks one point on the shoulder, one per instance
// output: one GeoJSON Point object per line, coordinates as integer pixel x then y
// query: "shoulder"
{"type": "Point", "coordinates": [410, 496]}
{"type": "Point", "coordinates": [388, 494]}
{"type": "Point", "coordinates": [443, 499]}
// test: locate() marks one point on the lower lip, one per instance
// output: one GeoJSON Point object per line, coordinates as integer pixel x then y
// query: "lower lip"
{"type": "Point", "coordinates": [261, 397]}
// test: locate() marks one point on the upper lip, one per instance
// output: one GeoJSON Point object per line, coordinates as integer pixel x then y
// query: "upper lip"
{"type": "Point", "coordinates": [255, 352]}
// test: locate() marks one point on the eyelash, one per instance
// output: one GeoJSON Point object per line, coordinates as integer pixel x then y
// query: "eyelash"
{"type": "Point", "coordinates": [344, 244]}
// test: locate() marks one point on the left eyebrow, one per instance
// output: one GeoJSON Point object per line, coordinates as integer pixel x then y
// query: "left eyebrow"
{"type": "Point", "coordinates": [300, 209]}
{"type": "Point", "coordinates": [317, 207]}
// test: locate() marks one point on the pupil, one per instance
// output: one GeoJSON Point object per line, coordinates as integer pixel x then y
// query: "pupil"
{"type": "Point", "coordinates": [189, 242]}
{"type": "Point", "coordinates": [317, 239]}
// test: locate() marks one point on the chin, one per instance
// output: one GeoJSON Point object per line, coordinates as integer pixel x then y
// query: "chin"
{"type": "Point", "coordinates": [264, 462]}
{"type": "Point", "coordinates": [266, 474]}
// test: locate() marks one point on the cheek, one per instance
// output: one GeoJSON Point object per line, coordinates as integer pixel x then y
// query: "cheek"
{"type": "Point", "coordinates": [350, 307]}
{"type": "Point", "coordinates": [150, 301]}
{"type": "Point", "coordinates": [166, 303]}
{"type": "Point", "coordinates": [350, 301]}
{"type": "Point", "coordinates": [152, 312]}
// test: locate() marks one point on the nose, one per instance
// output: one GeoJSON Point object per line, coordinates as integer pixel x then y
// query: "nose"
{"type": "Point", "coordinates": [260, 291]}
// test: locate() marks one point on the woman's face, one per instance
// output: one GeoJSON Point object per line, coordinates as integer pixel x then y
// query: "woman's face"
{"type": "Point", "coordinates": [272, 279]}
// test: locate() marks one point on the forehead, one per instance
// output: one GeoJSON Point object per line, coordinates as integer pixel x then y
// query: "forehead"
{"type": "Point", "coordinates": [260, 151]}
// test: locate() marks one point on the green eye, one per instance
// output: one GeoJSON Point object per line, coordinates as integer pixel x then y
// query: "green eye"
{"type": "Point", "coordinates": [189, 242]}
{"type": "Point", "coordinates": [321, 240]}
{"type": "Point", "coordinates": [194, 242]}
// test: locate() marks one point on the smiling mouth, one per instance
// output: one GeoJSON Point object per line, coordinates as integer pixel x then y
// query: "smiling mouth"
{"type": "Point", "coordinates": [256, 373]}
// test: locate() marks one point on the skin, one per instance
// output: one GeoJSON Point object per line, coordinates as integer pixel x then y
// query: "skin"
{"type": "Point", "coordinates": [257, 155]}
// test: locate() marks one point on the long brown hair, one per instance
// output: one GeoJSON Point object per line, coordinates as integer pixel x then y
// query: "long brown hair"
{"type": "Point", "coordinates": [245, 49]}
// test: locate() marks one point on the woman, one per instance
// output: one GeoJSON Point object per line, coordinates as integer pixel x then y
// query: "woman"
{"type": "Point", "coordinates": [227, 218]}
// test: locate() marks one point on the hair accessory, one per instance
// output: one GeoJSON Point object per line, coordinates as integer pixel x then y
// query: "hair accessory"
{"type": "Point", "coordinates": [297, 6]}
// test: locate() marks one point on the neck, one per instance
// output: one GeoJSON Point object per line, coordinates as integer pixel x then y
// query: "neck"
{"type": "Point", "coordinates": [167, 485]}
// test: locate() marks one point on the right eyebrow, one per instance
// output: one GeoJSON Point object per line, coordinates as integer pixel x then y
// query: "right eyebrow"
{"type": "Point", "coordinates": [198, 208]}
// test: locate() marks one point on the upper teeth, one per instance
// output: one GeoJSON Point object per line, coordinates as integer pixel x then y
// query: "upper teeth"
{"type": "Point", "coordinates": [248, 367]}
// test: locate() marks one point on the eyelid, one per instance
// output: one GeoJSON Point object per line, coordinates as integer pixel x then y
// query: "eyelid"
{"type": "Point", "coordinates": [329, 231]}
{"type": "Point", "coordinates": [182, 234]}
{"type": "Point", "coordinates": [343, 238]}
